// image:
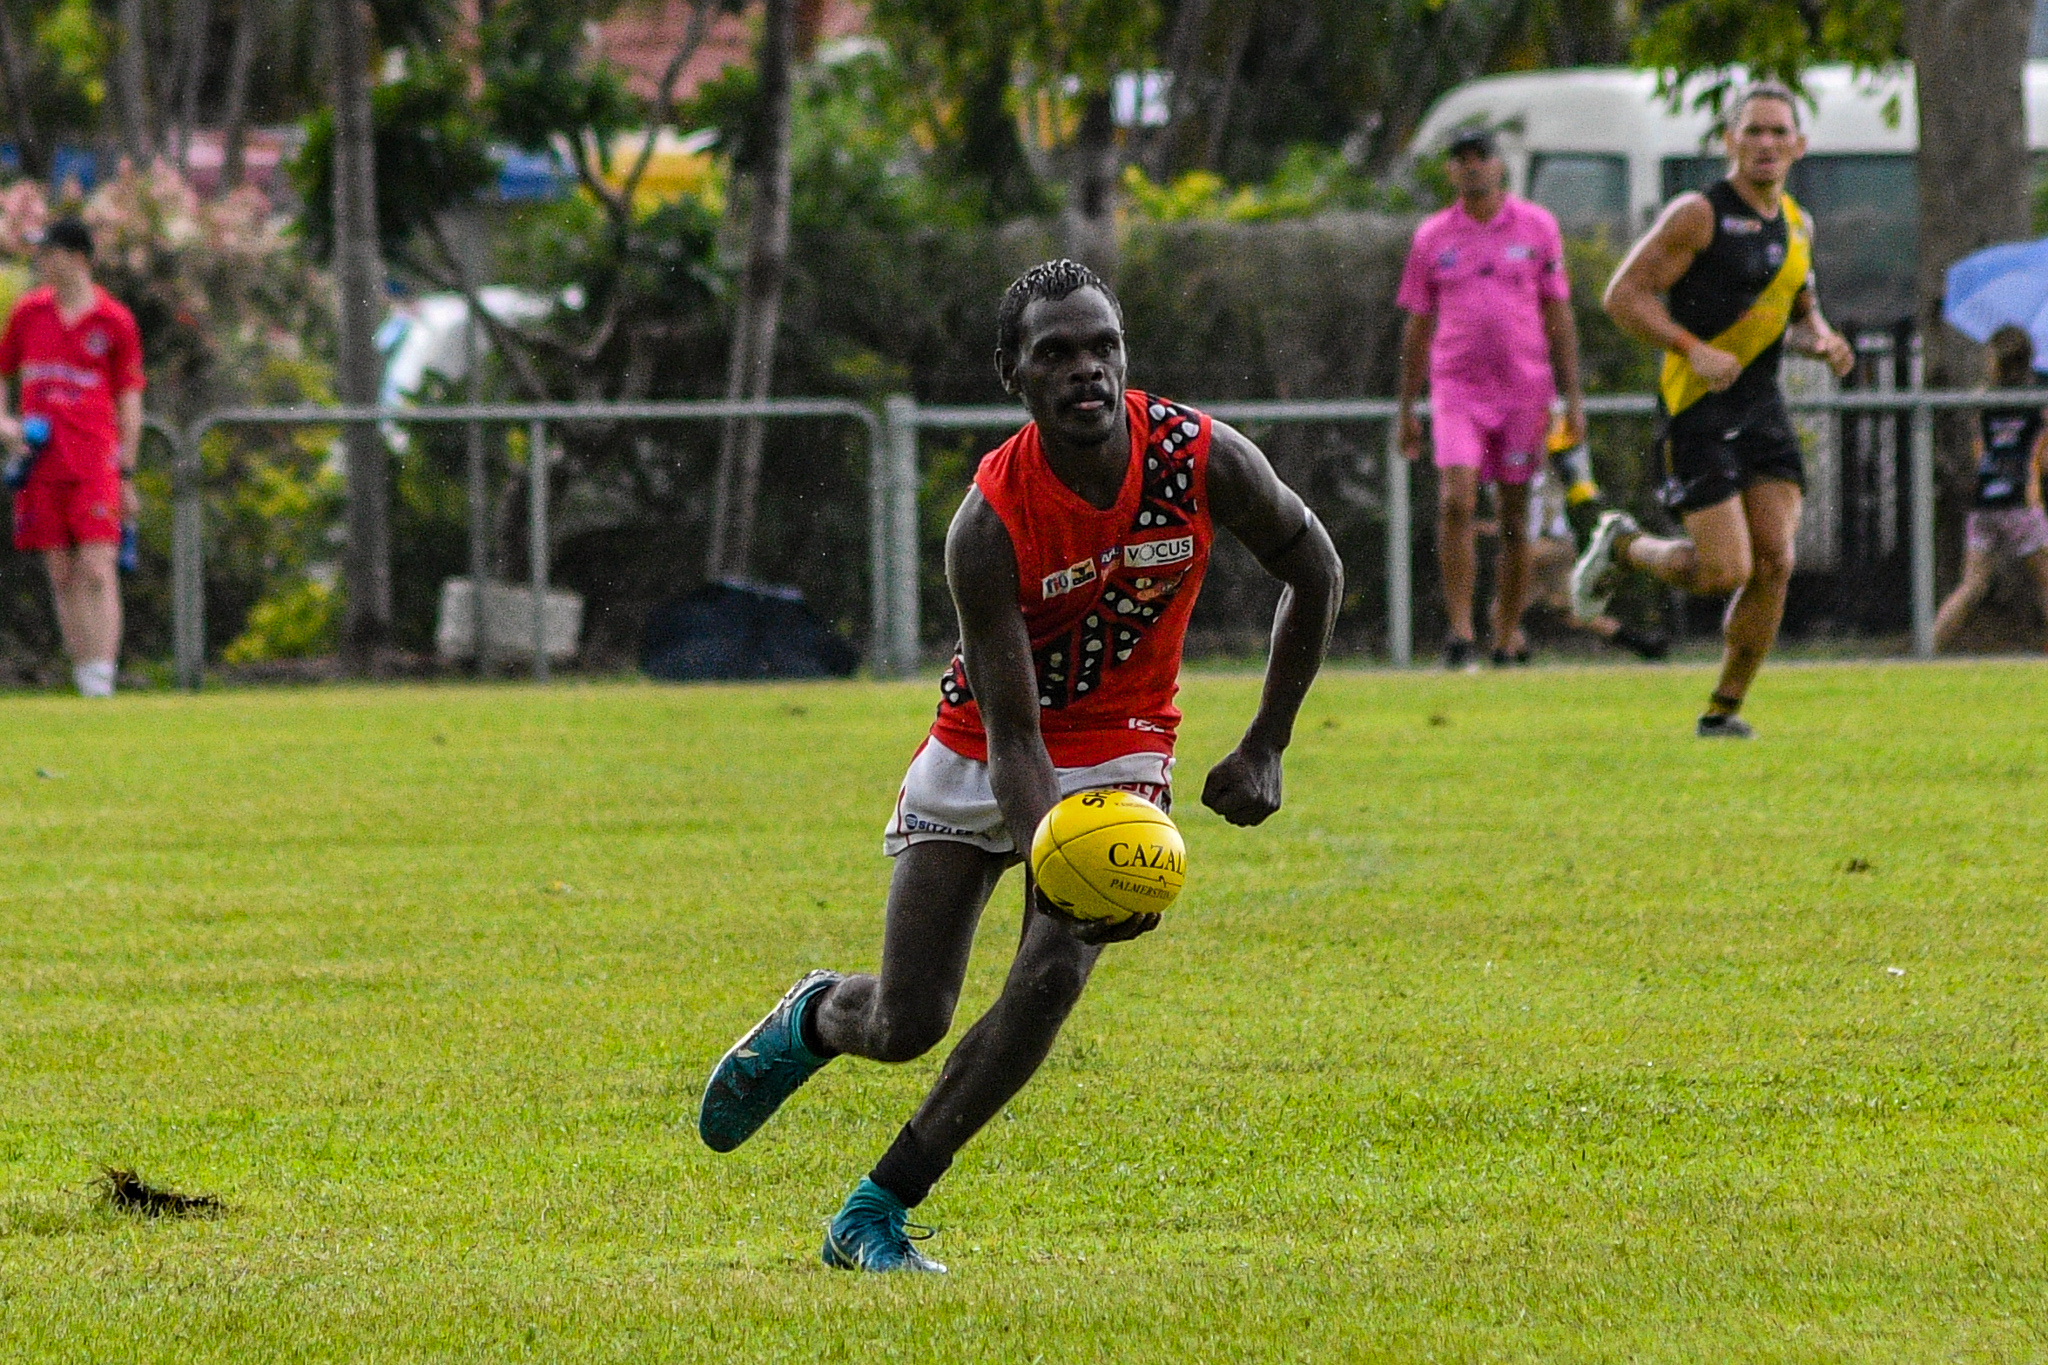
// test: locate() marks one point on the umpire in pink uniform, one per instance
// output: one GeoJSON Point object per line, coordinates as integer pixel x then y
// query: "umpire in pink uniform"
{"type": "Point", "coordinates": [1490, 320]}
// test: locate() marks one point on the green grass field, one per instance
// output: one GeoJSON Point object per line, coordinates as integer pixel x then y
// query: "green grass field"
{"type": "Point", "coordinates": [1531, 1029]}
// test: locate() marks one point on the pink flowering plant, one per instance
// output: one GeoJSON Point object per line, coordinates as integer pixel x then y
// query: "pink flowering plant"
{"type": "Point", "coordinates": [217, 285]}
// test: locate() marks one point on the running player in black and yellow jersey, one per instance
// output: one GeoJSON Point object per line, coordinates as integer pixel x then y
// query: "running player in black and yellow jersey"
{"type": "Point", "coordinates": [1724, 282]}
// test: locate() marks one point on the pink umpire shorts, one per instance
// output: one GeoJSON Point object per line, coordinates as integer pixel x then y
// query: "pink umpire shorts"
{"type": "Point", "coordinates": [1505, 447]}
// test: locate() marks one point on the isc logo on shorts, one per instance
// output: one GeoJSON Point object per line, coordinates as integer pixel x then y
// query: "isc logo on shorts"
{"type": "Point", "coordinates": [1150, 554]}
{"type": "Point", "coordinates": [1068, 579]}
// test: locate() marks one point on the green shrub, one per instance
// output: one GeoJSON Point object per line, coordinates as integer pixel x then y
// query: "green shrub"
{"type": "Point", "coordinates": [296, 621]}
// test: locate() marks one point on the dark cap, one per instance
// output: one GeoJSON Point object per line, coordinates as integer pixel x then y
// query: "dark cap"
{"type": "Point", "coordinates": [1475, 140]}
{"type": "Point", "coordinates": [66, 234]}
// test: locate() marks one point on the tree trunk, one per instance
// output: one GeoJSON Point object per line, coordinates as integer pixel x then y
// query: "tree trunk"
{"type": "Point", "coordinates": [1969, 58]}
{"type": "Point", "coordinates": [131, 83]}
{"type": "Point", "coordinates": [989, 148]}
{"type": "Point", "coordinates": [35, 160]}
{"type": "Point", "coordinates": [1087, 227]}
{"type": "Point", "coordinates": [752, 366]}
{"type": "Point", "coordinates": [235, 115]}
{"type": "Point", "coordinates": [195, 17]}
{"type": "Point", "coordinates": [359, 286]}
{"type": "Point", "coordinates": [1233, 66]}
{"type": "Point", "coordinates": [1183, 60]}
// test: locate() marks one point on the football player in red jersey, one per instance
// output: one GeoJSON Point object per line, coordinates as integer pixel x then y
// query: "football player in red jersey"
{"type": "Point", "coordinates": [1074, 563]}
{"type": "Point", "coordinates": [78, 356]}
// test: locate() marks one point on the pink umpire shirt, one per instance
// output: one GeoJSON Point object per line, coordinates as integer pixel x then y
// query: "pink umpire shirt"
{"type": "Point", "coordinates": [1486, 283]}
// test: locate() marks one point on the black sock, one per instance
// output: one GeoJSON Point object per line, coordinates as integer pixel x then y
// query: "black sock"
{"type": "Point", "coordinates": [1720, 704]}
{"type": "Point", "coordinates": [907, 1170]}
{"type": "Point", "coordinates": [807, 1029]}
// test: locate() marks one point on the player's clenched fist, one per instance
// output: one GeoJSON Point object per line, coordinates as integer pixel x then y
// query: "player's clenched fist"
{"type": "Point", "coordinates": [1245, 787]}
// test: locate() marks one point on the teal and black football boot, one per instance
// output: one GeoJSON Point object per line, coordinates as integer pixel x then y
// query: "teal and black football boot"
{"type": "Point", "coordinates": [871, 1231]}
{"type": "Point", "coordinates": [763, 1069]}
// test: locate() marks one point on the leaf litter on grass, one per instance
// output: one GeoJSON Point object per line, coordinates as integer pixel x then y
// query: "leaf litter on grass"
{"type": "Point", "coordinates": [127, 1192]}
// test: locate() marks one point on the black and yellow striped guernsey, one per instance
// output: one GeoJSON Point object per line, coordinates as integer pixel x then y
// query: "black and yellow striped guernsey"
{"type": "Point", "coordinates": [1737, 296]}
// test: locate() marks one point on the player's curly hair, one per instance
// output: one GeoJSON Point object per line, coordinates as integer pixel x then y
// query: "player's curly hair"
{"type": "Point", "coordinates": [1049, 280]}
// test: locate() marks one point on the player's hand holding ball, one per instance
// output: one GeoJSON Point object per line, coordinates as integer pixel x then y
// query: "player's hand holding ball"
{"type": "Point", "coordinates": [1106, 863]}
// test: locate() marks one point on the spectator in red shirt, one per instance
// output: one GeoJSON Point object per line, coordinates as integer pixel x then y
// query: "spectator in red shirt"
{"type": "Point", "coordinates": [78, 357]}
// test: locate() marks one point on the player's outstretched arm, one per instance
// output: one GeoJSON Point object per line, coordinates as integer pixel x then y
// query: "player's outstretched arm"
{"type": "Point", "coordinates": [1271, 521]}
{"type": "Point", "coordinates": [995, 649]}
{"type": "Point", "coordinates": [1811, 335]}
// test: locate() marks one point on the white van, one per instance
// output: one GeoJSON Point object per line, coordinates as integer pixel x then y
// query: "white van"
{"type": "Point", "coordinates": [1603, 151]}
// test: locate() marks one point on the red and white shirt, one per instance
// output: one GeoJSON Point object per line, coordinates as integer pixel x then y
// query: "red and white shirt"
{"type": "Point", "coordinates": [1106, 592]}
{"type": "Point", "coordinates": [71, 373]}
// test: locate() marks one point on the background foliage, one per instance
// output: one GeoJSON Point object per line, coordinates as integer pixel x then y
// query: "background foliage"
{"type": "Point", "coordinates": [931, 163]}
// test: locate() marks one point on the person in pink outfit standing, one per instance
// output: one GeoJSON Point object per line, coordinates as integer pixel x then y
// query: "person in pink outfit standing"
{"type": "Point", "coordinates": [1490, 324]}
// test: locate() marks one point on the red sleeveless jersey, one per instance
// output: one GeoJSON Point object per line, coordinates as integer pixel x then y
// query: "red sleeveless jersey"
{"type": "Point", "coordinates": [1106, 592]}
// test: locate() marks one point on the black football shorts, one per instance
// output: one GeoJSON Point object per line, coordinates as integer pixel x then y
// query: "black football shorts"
{"type": "Point", "coordinates": [1708, 464]}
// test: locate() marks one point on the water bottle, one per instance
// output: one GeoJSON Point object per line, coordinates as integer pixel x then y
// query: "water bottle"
{"type": "Point", "coordinates": [35, 434]}
{"type": "Point", "coordinates": [130, 558]}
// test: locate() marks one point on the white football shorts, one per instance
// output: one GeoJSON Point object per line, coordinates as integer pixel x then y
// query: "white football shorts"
{"type": "Point", "coordinates": [947, 796]}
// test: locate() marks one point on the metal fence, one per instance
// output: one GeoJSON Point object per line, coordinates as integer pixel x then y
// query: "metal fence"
{"type": "Point", "coordinates": [894, 551]}
{"type": "Point", "coordinates": [904, 419]}
{"type": "Point", "coordinates": [188, 566]}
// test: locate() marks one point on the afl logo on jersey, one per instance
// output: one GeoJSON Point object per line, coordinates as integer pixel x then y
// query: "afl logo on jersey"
{"type": "Point", "coordinates": [1774, 254]}
{"type": "Point", "coordinates": [97, 343]}
{"type": "Point", "coordinates": [1741, 227]}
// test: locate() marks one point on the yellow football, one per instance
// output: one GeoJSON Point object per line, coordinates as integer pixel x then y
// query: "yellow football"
{"type": "Point", "coordinates": [1108, 855]}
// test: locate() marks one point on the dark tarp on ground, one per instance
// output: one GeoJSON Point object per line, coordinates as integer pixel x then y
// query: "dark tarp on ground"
{"type": "Point", "coordinates": [741, 630]}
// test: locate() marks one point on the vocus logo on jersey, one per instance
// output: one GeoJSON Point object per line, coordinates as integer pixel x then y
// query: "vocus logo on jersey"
{"type": "Point", "coordinates": [1066, 580]}
{"type": "Point", "coordinates": [1151, 554]}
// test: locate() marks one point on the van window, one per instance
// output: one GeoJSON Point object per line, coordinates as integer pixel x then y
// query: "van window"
{"type": "Point", "coordinates": [1682, 173]}
{"type": "Point", "coordinates": [1866, 230]}
{"type": "Point", "coordinates": [1585, 192]}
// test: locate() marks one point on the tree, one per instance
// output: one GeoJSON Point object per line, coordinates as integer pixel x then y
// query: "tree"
{"type": "Point", "coordinates": [131, 82]}
{"type": "Point", "coordinates": [750, 370]}
{"type": "Point", "coordinates": [1969, 57]}
{"type": "Point", "coordinates": [235, 105]}
{"type": "Point", "coordinates": [14, 70]}
{"type": "Point", "coordinates": [986, 67]}
{"type": "Point", "coordinates": [359, 292]}
{"type": "Point", "coordinates": [540, 89]}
